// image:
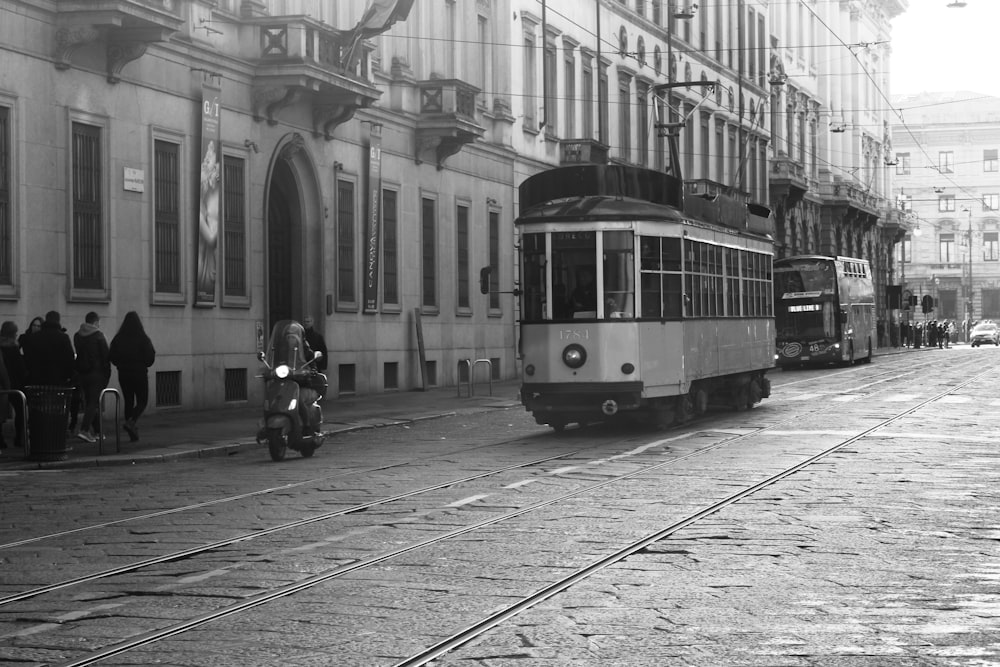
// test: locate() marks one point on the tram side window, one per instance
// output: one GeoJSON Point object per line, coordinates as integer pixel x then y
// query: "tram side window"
{"type": "Point", "coordinates": [757, 293]}
{"type": "Point", "coordinates": [732, 273]}
{"type": "Point", "coordinates": [619, 275]}
{"type": "Point", "coordinates": [704, 295]}
{"type": "Point", "coordinates": [533, 297]}
{"type": "Point", "coordinates": [660, 277]}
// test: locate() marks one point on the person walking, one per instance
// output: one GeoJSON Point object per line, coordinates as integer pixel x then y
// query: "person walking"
{"type": "Point", "coordinates": [132, 353]}
{"type": "Point", "coordinates": [17, 372]}
{"type": "Point", "coordinates": [316, 342]}
{"type": "Point", "coordinates": [48, 354]}
{"type": "Point", "coordinates": [95, 372]}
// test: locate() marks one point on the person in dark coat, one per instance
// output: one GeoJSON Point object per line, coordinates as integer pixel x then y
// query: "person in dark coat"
{"type": "Point", "coordinates": [95, 372]}
{"type": "Point", "coordinates": [132, 353]}
{"type": "Point", "coordinates": [316, 342]}
{"type": "Point", "coordinates": [18, 374]}
{"type": "Point", "coordinates": [48, 354]}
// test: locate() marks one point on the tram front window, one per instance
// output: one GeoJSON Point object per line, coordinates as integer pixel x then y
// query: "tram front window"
{"type": "Point", "coordinates": [574, 286]}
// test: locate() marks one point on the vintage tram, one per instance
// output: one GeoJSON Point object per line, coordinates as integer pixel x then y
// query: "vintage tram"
{"type": "Point", "coordinates": [639, 299]}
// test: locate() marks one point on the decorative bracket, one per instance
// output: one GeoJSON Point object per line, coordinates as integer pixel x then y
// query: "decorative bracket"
{"type": "Point", "coordinates": [327, 117]}
{"type": "Point", "coordinates": [121, 53]}
{"type": "Point", "coordinates": [270, 100]}
{"type": "Point", "coordinates": [69, 39]}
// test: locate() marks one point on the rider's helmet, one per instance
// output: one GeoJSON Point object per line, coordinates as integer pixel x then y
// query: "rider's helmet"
{"type": "Point", "coordinates": [288, 347]}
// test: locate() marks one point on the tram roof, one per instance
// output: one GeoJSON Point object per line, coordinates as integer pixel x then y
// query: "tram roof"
{"type": "Point", "coordinates": [620, 192]}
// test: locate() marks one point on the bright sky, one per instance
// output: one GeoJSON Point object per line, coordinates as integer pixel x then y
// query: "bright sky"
{"type": "Point", "coordinates": [937, 48]}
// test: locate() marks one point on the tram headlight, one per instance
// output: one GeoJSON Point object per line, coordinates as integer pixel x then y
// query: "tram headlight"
{"type": "Point", "coordinates": [529, 370]}
{"type": "Point", "coordinates": [628, 368]}
{"type": "Point", "coordinates": [574, 356]}
{"type": "Point", "coordinates": [282, 371]}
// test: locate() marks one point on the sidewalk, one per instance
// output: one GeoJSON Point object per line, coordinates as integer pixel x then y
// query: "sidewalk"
{"type": "Point", "coordinates": [169, 436]}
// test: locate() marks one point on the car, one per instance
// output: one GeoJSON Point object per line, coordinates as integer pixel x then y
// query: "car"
{"type": "Point", "coordinates": [983, 333]}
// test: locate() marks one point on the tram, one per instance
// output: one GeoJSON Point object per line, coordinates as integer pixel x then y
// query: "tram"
{"type": "Point", "coordinates": [639, 299]}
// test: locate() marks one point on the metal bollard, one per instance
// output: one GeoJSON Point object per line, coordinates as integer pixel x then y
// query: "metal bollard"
{"type": "Point", "coordinates": [118, 434]}
{"type": "Point", "coordinates": [489, 366]}
{"type": "Point", "coordinates": [468, 376]}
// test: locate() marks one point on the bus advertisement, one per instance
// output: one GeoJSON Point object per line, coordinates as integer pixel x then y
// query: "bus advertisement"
{"type": "Point", "coordinates": [824, 309]}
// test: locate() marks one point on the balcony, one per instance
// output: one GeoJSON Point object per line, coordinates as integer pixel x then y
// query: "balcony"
{"type": "Point", "coordinates": [125, 27]}
{"type": "Point", "coordinates": [788, 179]}
{"type": "Point", "coordinates": [447, 119]}
{"type": "Point", "coordinates": [302, 61]}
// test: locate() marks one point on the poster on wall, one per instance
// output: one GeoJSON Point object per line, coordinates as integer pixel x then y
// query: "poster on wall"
{"type": "Point", "coordinates": [374, 216]}
{"type": "Point", "coordinates": [208, 202]}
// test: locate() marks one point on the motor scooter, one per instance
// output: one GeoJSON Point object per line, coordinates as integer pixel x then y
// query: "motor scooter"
{"type": "Point", "coordinates": [293, 389]}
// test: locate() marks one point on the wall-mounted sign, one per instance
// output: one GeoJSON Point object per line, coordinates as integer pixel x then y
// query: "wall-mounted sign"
{"type": "Point", "coordinates": [134, 180]}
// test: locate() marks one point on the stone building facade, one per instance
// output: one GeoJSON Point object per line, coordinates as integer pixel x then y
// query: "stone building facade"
{"type": "Point", "coordinates": [364, 174]}
{"type": "Point", "coordinates": [948, 186]}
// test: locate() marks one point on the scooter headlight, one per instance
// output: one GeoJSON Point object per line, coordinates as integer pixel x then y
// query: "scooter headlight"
{"type": "Point", "coordinates": [282, 371]}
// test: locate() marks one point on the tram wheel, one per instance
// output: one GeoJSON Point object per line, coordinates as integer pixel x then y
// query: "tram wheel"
{"type": "Point", "coordinates": [756, 393]}
{"type": "Point", "coordinates": [741, 397]}
{"type": "Point", "coordinates": [684, 410]}
{"type": "Point", "coordinates": [558, 425]}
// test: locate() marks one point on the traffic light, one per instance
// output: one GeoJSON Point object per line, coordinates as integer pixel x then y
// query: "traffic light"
{"type": "Point", "coordinates": [927, 303]}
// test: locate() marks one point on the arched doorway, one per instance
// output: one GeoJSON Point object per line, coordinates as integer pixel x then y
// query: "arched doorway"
{"type": "Point", "coordinates": [283, 224]}
{"type": "Point", "coordinates": [294, 235]}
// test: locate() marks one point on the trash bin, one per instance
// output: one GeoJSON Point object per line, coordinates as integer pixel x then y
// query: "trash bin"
{"type": "Point", "coordinates": [48, 417]}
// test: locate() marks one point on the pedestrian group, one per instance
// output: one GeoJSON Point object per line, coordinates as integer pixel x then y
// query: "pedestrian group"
{"type": "Point", "coordinates": [44, 355]}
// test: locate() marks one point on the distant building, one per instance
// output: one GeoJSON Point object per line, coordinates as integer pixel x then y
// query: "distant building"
{"type": "Point", "coordinates": [947, 184]}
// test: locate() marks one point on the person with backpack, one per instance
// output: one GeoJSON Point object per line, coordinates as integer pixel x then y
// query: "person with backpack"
{"type": "Point", "coordinates": [94, 367]}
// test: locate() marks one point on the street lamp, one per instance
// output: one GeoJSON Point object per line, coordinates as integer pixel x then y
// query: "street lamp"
{"type": "Point", "coordinates": [968, 293]}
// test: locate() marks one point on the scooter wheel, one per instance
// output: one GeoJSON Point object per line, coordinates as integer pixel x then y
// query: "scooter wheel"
{"type": "Point", "coordinates": [277, 444]}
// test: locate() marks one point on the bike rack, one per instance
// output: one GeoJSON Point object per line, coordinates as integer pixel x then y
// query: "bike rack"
{"type": "Point", "coordinates": [24, 417]}
{"type": "Point", "coordinates": [118, 431]}
{"type": "Point", "coordinates": [471, 366]}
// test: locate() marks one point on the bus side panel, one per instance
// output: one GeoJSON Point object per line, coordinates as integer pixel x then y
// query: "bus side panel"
{"type": "Point", "coordinates": [608, 347]}
{"type": "Point", "coordinates": [662, 364]}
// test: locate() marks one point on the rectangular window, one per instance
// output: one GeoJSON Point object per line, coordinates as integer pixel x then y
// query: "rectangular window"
{"type": "Point", "coordinates": [529, 82]}
{"type": "Point", "coordinates": [991, 202]}
{"type": "Point", "coordinates": [990, 159]}
{"type": "Point", "coordinates": [904, 202]}
{"type": "Point", "coordinates": [602, 103]}
{"type": "Point", "coordinates": [88, 237]}
{"type": "Point", "coordinates": [166, 217]}
{"type": "Point", "coordinates": [946, 245]}
{"type": "Point", "coordinates": [906, 250]}
{"type": "Point", "coordinates": [991, 250]}
{"type": "Point", "coordinates": [483, 55]}
{"type": "Point", "coordinates": [462, 241]}
{"type": "Point", "coordinates": [946, 203]}
{"type": "Point", "coordinates": [345, 242]}
{"type": "Point", "coordinates": [428, 252]}
{"type": "Point", "coordinates": [494, 232]}
{"type": "Point", "coordinates": [569, 98]}
{"type": "Point", "coordinates": [168, 388]}
{"type": "Point", "coordinates": [390, 248]}
{"type": "Point", "coordinates": [625, 119]}
{"type": "Point", "coordinates": [588, 99]}
{"type": "Point", "coordinates": [6, 213]}
{"type": "Point", "coordinates": [660, 277]}
{"type": "Point", "coordinates": [946, 162]}
{"type": "Point", "coordinates": [902, 164]}
{"type": "Point", "coordinates": [642, 122]}
{"type": "Point", "coordinates": [551, 106]}
{"type": "Point", "coordinates": [234, 227]}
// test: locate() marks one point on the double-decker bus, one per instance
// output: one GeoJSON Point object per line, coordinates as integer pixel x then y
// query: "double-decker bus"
{"type": "Point", "coordinates": [824, 310]}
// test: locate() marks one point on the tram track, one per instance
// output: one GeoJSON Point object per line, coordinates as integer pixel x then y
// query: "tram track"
{"type": "Point", "coordinates": [324, 577]}
{"type": "Point", "coordinates": [351, 509]}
